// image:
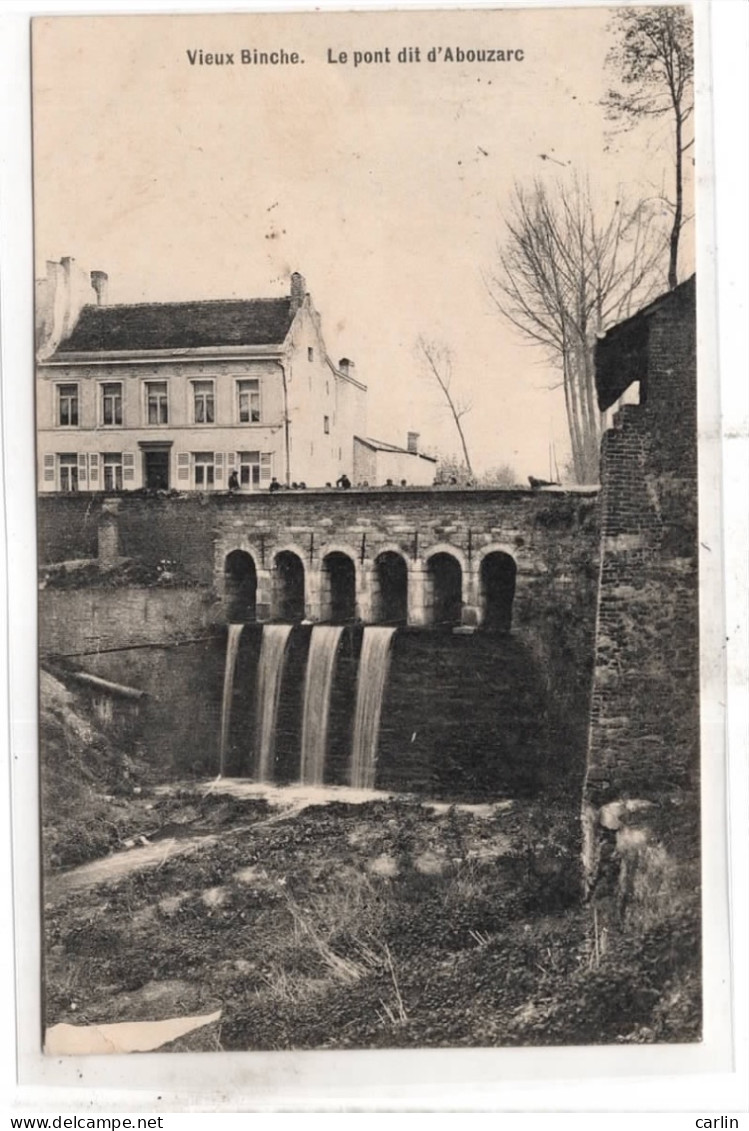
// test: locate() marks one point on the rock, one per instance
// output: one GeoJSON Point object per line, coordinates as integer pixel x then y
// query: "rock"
{"type": "Point", "coordinates": [429, 863]}
{"type": "Point", "coordinates": [630, 840]}
{"type": "Point", "coordinates": [383, 865]}
{"type": "Point", "coordinates": [214, 897]}
{"type": "Point", "coordinates": [616, 813]}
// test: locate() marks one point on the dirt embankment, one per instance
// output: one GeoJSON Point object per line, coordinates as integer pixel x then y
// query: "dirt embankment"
{"type": "Point", "coordinates": [367, 925]}
{"type": "Point", "coordinates": [347, 924]}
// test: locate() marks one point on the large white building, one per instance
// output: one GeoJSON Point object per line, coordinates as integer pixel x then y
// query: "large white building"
{"type": "Point", "coordinates": [181, 394]}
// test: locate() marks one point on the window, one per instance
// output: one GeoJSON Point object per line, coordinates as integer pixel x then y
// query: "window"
{"type": "Point", "coordinates": [157, 402]}
{"type": "Point", "coordinates": [326, 425]}
{"type": "Point", "coordinates": [112, 462]}
{"type": "Point", "coordinates": [310, 353]}
{"type": "Point", "coordinates": [67, 406]}
{"type": "Point", "coordinates": [67, 471]}
{"type": "Point", "coordinates": [111, 403]}
{"type": "Point", "coordinates": [203, 403]}
{"type": "Point", "coordinates": [248, 399]}
{"type": "Point", "coordinates": [202, 470]}
{"type": "Point", "coordinates": [249, 469]}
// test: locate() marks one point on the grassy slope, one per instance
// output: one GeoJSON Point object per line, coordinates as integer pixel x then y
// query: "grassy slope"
{"type": "Point", "coordinates": [372, 925]}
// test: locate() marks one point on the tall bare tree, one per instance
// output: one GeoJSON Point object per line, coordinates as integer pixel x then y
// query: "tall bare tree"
{"type": "Point", "coordinates": [564, 272]}
{"type": "Point", "coordinates": [438, 362]}
{"type": "Point", "coordinates": [654, 58]}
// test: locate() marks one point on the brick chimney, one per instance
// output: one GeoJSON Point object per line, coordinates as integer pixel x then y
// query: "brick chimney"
{"type": "Point", "coordinates": [346, 366]}
{"type": "Point", "coordinates": [298, 291]}
{"type": "Point", "coordinates": [412, 442]}
{"type": "Point", "coordinates": [100, 283]}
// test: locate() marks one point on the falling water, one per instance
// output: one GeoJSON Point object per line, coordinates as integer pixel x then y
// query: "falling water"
{"type": "Point", "coordinates": [232, 645]}
{"type": "Point", "coordinates": [318, 681]}
{"type": "Point", "coordinates": [270, 669]}
{"type": "Point", "coordinates": [370, 689]}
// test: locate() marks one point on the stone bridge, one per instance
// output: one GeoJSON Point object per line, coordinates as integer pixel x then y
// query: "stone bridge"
{"type": "Point", "coordinates": [430, 556]}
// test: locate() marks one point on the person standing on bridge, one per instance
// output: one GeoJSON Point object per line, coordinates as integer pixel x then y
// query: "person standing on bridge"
{"type": "Point", "coordinates": [344, 482]}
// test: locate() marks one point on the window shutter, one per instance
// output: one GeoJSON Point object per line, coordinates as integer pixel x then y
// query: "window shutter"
{"type": "Point", "coordinates": [230, 459]}
{"type": "Point", "coordinates": [128, 465]}
{"type": "Point", "coordinates": [49, 469]}
{"type": "Point", "coordinates": [218, 459]}
{"type": "Point", "coordinates": [265, 466]}
{"type": "Point", "coordinates": [183, 465]}
{"type": "Point", "coordinates": [93, 467]}
{"type": "Point", "coordinates": [81, 467]}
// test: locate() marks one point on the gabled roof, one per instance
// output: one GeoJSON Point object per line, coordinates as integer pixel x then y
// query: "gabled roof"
{"type": "Point", "coordinates": [381, 446]}
{"type": "Point", "coordinates": [180, 325]}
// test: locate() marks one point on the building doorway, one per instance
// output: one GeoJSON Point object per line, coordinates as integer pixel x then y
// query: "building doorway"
{"type": "Point", "coordinates": [156, 467]}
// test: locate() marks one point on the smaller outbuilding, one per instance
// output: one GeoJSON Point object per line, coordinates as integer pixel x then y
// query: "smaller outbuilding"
{"type": "Point", "coordinates": [378, 464]}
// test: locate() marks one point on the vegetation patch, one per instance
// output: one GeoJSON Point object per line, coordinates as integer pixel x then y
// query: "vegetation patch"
{"type": "Point", "coordinates": [286, 926]}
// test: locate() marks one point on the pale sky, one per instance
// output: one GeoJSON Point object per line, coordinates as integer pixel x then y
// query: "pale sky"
{"type": "Point", "coordinates": [383, 184]}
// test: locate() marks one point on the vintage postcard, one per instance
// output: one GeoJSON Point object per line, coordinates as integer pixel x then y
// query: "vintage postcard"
{"type": "Point", "coordinates": [368, 614]}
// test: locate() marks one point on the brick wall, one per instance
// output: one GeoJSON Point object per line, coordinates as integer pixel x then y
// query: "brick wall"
{"type": "Point", "coordinates": [644, 734]}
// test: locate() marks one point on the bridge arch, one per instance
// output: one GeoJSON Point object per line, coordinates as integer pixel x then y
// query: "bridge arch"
{"type": "Point", "coordinates": [389, 588]}
{"type": "Point", "coordinates": [289, 584]}
{"type": "Point", "coordinates": [443, 589]}
{"type": "Point", "coordinates": [448, 548]}
{"type": "Point", "coordinates": [240, 587]}
{"type": "Point", "coordinates": [338, 585]}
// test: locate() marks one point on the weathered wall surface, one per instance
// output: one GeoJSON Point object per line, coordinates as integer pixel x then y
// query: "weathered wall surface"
{"type": "Point", "coordinates": [91, 620]}
{"type": "Point", "coordinates": [463, 716]}
{"type": "Point", "coordinates": [641, 800]}
{"type": "Point", "coordinates": [153, 528]}
{"type": "Point", "coordinates": [644, 734]}
{"type": "Point", "coordinates": [178, 719]}
{"type": "Point", "coordinates": [552, 537]}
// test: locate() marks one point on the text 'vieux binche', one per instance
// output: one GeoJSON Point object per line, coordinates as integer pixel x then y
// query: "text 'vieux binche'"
{"type": "Point", "coordinates": [247, 56]}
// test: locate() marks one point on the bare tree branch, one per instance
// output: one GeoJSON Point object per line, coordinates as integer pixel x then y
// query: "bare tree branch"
{"type": "Point", "coordinates": [653, 56]}
{"type": "Point", "coordinates": [438, 363]}
{"type": "Point", "coordinates": [564, 272]}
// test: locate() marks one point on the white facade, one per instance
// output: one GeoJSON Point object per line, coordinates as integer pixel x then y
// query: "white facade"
{"type": "Point", "coordinates": [186, 416]}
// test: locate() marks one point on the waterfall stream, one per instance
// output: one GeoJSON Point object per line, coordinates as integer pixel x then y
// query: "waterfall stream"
{"type": "Point", "coordinates": [370, 689]}
{"type": "Point", "coordinates": [270, 670]}
{"type": "Point", "coordinates": [232, 646]}
{"type": "Point", "coordinates": [317, 686]}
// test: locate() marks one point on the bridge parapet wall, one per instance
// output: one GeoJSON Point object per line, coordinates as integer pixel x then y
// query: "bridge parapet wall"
{"type": "Point", "coordinates": [542, 532]}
